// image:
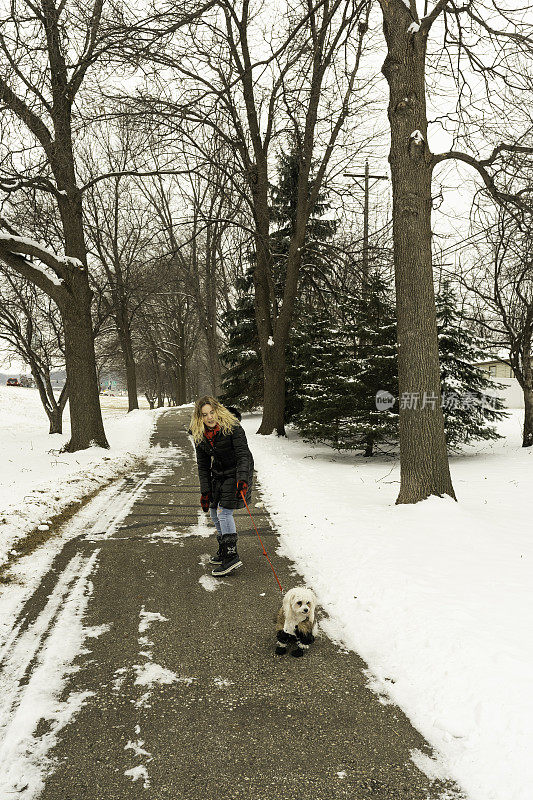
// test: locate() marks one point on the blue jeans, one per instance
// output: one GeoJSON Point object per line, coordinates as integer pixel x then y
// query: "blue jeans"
{"type": "Point", "coordinates": [223, 519]}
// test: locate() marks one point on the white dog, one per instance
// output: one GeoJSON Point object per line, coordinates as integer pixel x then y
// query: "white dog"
{"type": "Point", "coordinates": [295, 623]}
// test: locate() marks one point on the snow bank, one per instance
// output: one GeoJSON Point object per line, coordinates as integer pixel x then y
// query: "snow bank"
{"type": "Point", "coordinates": [37, 482]}
{"type": "Point", "coordinates": [435, 597]}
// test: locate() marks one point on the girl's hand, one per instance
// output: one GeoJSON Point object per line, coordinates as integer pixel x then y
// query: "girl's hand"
{"type": "Point", "coordinates": [242, 486]}
{"type": "Point", "coordinates": [204, 502]}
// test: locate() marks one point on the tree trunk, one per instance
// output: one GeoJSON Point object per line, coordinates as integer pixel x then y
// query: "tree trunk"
{"type": "Point", "coordinates": [131, 381]}
{"type": "Point", "coordinates": [423, 455]}
{"type": "Point", "coordinates": [87, 428]}
{"type": "Point", "coordinates": [215, 371]}
{"type": "Point", "coordinates": [124, 334]}
{"type": "Point", "coordinates": [86, 423]}
{"type": "Point", "coordinates": [265, 307]}
{"type": "Point", "coordinates": [181, 384]}
{"type": "Point", "coordinates": [55, 416]}
{"type": "Point", "coordinates": [54, 410]}
{"type": "Point", "coordinates": [272, 340]}
{"type": "Point", "coordinates": [158, 377]}
{"type": "Point", "coordinates": [527, 439]}
{"type": "Point", "coordinates": [180, 370]}
{"type": "Point", "coordinates": [274, 396]}
{"type": "Point", "coordinates": [159, 382]}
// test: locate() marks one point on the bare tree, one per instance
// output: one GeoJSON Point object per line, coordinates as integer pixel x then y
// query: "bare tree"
{"type": "Point", "coordinates": [489, 52]}
{"type": "Point", "coordinates": [501, 282]}
{"type": "Point", "coordinates": [254, 91]}
{"type": "Point", "coordinates": [198, 244]}
{"type": "Point", "coordinates": [31, 328]}
{"type": "Point", "coordinates": [46, 50]}
{"type": "Point", "coordinates": [167, 332]}
{"type": "Point", "coordinates": [121, 227]}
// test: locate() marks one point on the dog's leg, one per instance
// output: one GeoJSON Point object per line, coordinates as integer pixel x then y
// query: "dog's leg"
{"type": "Point", "coordinates": [304, 638]}
{"type": "Point", "coordinates": [300, 649]}
{"type": "Point", "coordinates": [304, 632]}
{"type": "Point", "coordinates": [283, 639]}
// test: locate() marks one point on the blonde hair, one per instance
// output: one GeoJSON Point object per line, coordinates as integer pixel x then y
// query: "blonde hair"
{"type": "Point", "coordinates": [226, 419]}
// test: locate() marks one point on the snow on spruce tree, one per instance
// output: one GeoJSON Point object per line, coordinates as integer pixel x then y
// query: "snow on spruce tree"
{"type": "Point", "coordinates": [469, 401]}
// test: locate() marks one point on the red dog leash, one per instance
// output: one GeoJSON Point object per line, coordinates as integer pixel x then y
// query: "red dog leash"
{"type": "Point", "coordinates": [262, 545]}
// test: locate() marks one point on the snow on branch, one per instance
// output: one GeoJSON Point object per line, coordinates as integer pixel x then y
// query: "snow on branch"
{"type": "Point", "coordinates": [14, 248]}
{"type": "Point", "coordinates": [29, 247]}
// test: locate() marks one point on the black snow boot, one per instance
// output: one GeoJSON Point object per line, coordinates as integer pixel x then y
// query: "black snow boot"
{"type": "Point", "coordinates": [219, 555]}
{"type": "Point", "coordinates": [230, 557]}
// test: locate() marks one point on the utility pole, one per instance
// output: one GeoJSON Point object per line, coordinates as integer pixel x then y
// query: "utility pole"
{"type": "Point", "coordinates": [366, 176]}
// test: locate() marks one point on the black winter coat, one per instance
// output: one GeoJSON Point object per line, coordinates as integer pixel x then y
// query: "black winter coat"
{"type": "Point", "coordinates": [220, 467]}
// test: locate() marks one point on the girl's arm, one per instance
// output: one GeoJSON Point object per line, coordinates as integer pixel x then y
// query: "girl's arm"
{"type": "Point", "coordinates": [203, 461]}
{"type": "Point", "coordinates": [242, 452]}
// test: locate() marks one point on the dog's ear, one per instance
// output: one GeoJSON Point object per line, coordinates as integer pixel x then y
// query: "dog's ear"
{"type": "Point", "coordinates": [286, 604]}
{"type": "Point", "coordinates": [312, 606]}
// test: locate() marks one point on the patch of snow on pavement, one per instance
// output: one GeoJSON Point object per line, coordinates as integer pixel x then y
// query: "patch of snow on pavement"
{"type": "Point", "coordinates": [148, 618]}
{"type": "Point", "coordinates": [54, 639]}
{"type": "Point", "coordinates": [137, 747]}
{"type": "Point", "coordinates": [150, 673]}
{"type": "Point", "coordinates": [139, 773]}
{"type": "Point", "coordinates": [222, 683]}
{"type": "Point", "coordinates": [209, 583]}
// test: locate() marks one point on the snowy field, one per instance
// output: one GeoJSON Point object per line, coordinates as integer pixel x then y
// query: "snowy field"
{"type": "Point", "coordinates": [436, 597]}
{"type": "Point", "coordinates": [37, 482]}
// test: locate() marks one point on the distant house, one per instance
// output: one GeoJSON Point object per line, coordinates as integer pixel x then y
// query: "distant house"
{"type": "Point", "coordinates": [496, 368]}
{"type": "Point", "coordinates": [502, 372]}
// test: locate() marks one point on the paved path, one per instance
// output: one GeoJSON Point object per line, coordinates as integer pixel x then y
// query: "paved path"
{"type": "Point", "coordinates": [234, 720]}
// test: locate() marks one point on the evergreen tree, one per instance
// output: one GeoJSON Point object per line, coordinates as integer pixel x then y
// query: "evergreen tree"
{"type": "Point", "coordinates": [468, 400]}
{"type": "Point", "coordinates": [315, 268]}
{"type": "Point", "coordinates": [346, 363]}
{"type": "Point", "coordinates": [319, 399]}
{"type": "Point", "coordinates": [315, 257]}
{"type": "Point", "coordinates": [373, 333]}
{"type": "Point", "coordinates": [242, 383]}
{"type": "Point", "coordinates": [350, 363]}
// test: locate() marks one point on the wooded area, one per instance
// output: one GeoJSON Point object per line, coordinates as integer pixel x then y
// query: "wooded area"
{"type": "Point", "coordinates": [177, 205]}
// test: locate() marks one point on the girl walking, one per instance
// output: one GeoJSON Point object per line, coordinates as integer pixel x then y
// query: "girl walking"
{"type": "Point", "coordinates": [225, 469]}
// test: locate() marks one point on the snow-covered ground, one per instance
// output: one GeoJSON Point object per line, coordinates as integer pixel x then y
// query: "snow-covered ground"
{"type": "Point", "coordinates": [436, 597]}
{"type": "Point", "coordinates": [37, 482]}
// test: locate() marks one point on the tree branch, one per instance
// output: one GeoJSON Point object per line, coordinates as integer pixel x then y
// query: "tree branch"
{"type": "Point", "coordinates": [501, 198]}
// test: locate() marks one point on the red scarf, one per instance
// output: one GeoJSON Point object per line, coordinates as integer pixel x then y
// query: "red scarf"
{"type": "Point", "coordinates": [210, 433]}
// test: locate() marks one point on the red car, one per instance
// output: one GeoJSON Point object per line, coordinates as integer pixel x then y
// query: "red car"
{"type": "Point", "coordinates": [13, 382]}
